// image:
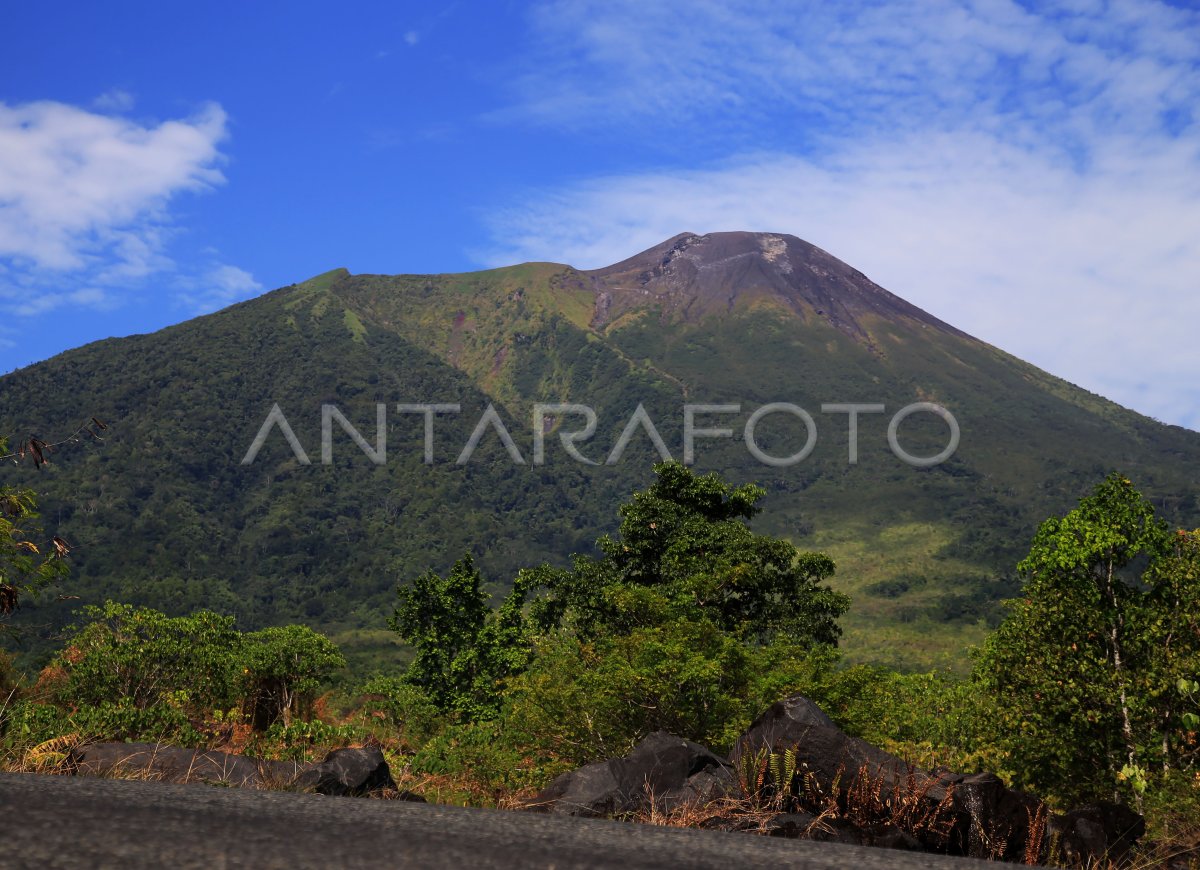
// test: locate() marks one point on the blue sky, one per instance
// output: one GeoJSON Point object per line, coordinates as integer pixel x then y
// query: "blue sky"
{"type": "Point", "coordinates": [1028, 172]}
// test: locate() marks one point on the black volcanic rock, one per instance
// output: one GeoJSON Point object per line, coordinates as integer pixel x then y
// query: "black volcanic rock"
{"type": "Point", "coordinates": [159, 761]}
{"type": "Point", "coordinates": [350, 772]}
{"type": "Point", "coordinates": [670, 769]}
{"type": "Point", "coordinates": [878, 797]}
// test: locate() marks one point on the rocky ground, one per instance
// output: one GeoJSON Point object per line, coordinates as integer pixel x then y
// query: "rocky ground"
{"type": "Point", "coordinates": [792, 774]}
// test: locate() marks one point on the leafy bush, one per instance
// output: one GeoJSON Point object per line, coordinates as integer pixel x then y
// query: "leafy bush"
{"type": "Point", "coordinates": [283, 666]}
{"type": "Point", "coordinates": [303, 741]}
{"type": "Point", "coordinates": [137, 657]}
{"type": "Point", "coordinates": [135, 673]}
{"type": "Point", "coordinates": [586, 701]}
{"type": "Point", "coordinates": [27, 723]}
{"type": "Point", "coordinates": [401, 708]}
{"type": "Point", "coordinates": [483, 763]}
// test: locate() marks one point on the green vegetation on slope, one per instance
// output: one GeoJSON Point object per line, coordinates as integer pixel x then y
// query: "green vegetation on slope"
{"type": "Point", "coordinates": [164, 515]}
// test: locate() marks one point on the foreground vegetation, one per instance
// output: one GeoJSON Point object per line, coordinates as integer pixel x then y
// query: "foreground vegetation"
{"type": "Point", "coordinates": [686, 621]}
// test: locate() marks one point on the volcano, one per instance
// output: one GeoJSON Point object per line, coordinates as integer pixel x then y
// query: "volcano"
{"type": "Point", "coordinates": [164, 513]}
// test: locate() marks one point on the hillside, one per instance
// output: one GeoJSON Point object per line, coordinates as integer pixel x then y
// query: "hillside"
{"type": "Point", "coordinates": [165, 514]}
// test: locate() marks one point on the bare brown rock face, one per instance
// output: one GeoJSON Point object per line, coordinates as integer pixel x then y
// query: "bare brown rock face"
{"type": "Point", "coordinates": [691, 277]}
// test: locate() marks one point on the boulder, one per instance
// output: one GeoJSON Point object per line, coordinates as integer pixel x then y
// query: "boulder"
{"type": "Point", "coordinates": [821, 747]}
{"type": "Point", "coordinates": [348, 773]}
{"type": "Point", "coordinates": [344, 772]}
{"type": "Point", "coordinates": [671, 770]}
{"type": "Point", "coordinates": [878, 798]}
{"type": "Point", "coordinates": [981, 816]}
{"type": "Point", "coordinates": [173, 764]}
{"type": "Point", "coordinates": [1106, 829]}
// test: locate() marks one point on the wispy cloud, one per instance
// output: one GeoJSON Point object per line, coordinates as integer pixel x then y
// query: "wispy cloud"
{"type": "Point", "coordinates": [1071, 69]}
{"type": "Point", "coordinates": [85, 198]}
{"type": "Point", "coordinates": [217, 287]}
{"type": "Point", "coordinates": [27, 305]}
{"type": "Point", "coordinates": [116, 100]}
{"type": "Point", "coordinates": [1031, 178]}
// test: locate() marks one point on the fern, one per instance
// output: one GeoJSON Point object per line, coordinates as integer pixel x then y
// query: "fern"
{"type": "Point", "coordinates": [51, 753]}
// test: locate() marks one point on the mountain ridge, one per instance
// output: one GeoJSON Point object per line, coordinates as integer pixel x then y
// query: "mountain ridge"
{"type": "Point", "coordinates": [164, 514]}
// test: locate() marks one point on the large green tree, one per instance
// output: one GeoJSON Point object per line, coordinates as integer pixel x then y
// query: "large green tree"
{"type": "Point", "coordinates": [1084, 671]}
{"type": "Point", "coordinates": [1170, 631]}
{"type": "Point", "coordinates": [688, 621]}
{"type": "Point", "coordinates": [669, 617]}
{"type": "Point", "coordinates": [464, 651]}
{"type": "Point", "coordinates": [685, 551]}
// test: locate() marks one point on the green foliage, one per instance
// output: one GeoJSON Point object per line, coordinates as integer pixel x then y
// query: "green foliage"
{"type": "Point", "coordinates": [596, 700]}
{"type": "Point", "coordinates": [166, 722]}
{"type": "Point", "coordinates": [689, 622]}
{"type": "Point", "coordinates": [486, 752]}
{"type": "Point", "coordinates": [131, 672]}
{"type": "Point", "coordinates": [1085, 669]}
{"type": "Point", "coordinates": [685, 552]}
{"type": "Point", "coordinates": [26, 722]}
{"type": "Point", "coordinates": [140, 658]}
{"type": "Point", "coordinates": [302, 740]}
{"type": "Point", "coordinates": [464, 651]}
{"type": "Point", "coordinates": [404, 709]}
{"type": "Point", "coordinates": [25, 564]}
{"type": "Point", "coordinates": [283, 666]}
{"type": "Point", "coordinates": [1168, 628]}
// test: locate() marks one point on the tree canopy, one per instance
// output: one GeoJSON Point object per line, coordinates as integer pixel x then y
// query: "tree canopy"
{"type": "Point", "coordinates": [1086, 667]}
{"type": "Point", "coordinates": [685, 551]}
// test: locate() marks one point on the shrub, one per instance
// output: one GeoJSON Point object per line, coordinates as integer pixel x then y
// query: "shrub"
{"type": "Point", "coordinates": [283, 667]}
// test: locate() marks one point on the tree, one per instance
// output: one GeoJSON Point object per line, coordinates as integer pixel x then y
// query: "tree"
{"type": "Point", "coordinates": [688, 622]}
{"type": "Point", "coordinates": [283, 667]}
{"type": "Point", "coordinates": [25, 565]}
{"type": "Point", "coordinates": [464, 650]}
{"type": "Point", "coordinates": [1071, 668]}
{"type": "Point", "coordinates": [685, 552]}
{"type": "Point", "coordinates": [1170, 632]}
{"type": "Point", "coordinates": [139, 657]}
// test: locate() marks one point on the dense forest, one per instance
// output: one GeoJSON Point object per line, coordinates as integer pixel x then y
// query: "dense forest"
{"type": "Point", "coordinates": [163, 514]}
{"type": "Point", "coordinates": [685, 620]}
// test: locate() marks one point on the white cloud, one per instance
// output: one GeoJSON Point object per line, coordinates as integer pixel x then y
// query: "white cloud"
{"type": "Point", "coordinates": [73, 184]}
{"type": "Point", "coordinates": [32, 304]}
{"type": "Point", "coordinates": [85, 203]}
{"type": "Point", "coordinates": [853, 65]}
{"type": "Point", "coordinates": [1031, 178]}
{"type": "Point", "coordinates": [115, 100]}
{"type": "Point", "coordinates": [221, 285]}
{"type": "Point", "coordinates": [411, 37]}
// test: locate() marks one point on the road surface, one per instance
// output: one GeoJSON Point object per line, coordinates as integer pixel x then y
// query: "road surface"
{"type": "Point", "coordinates": [85, 822]}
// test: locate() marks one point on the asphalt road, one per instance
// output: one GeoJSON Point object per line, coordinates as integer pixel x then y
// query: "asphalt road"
{"type": "Point", "coordinates": [83, 822]}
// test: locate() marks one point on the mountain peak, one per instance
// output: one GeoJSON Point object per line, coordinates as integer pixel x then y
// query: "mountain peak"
{"type": "Point", "coordinates": [691, 276]}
